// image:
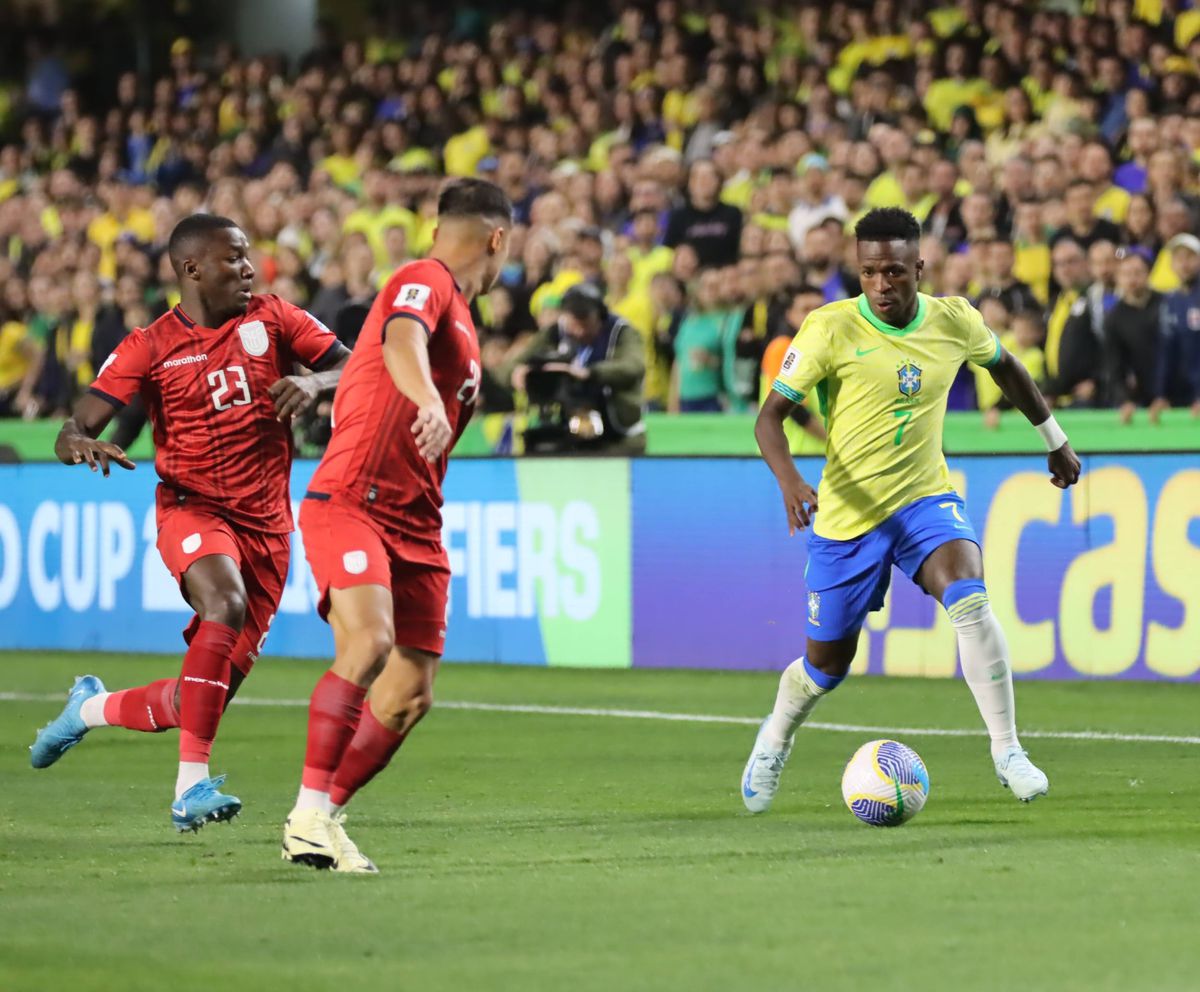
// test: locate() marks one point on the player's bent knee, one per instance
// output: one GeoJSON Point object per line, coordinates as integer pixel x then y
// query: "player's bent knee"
{"type": "Point", "coordinates": [371, 644]}
{"type": "Point", "coordinates": [832, 657]}
{"type": "Point", "coordinates": [226, 607]}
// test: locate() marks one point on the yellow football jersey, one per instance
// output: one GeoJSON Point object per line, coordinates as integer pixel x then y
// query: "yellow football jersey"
{"type": "Point", "coordinates": [883, 390]}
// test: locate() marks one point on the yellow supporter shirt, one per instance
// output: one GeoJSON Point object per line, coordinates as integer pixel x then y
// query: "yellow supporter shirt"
{"type": "Point", "coordinates": [1112, 204]}
{"type": "Point", "coordinates": [1055, 325]}
{"type": "Point", "coordinates": [637, 308]}
{"type": "Point", "coordinates": [883, 390]}
{"type": "Point", "coordinates": [1187, 26]}
{"type": "Point", "coordinates": [885, 191]}
{"type": "Point", "coordinates": [945, 96]}
{"type": "Point", "coordinates": [464, 151]}
{"type": "Point", "coordinates": [81, 341]}
{"type": "Point", "coordinates": [1031, 265]}
{"type": "Point", "coordinates": [104, 231]}
{"type": "Point", "coordinates": [374, 224]}
{"type": "Point", "coordinates": [549, 293]}
{"type": "Point", "coordinates": [646, 265]}
{"type": "Point", "coordinates": [342, 169]}
{"type": "Point", "coordinates": [1162, 277]}
{"type": "Point", "coordinates": [13, 363]}
{"type": "Point", "coordinates": [1034, 359]}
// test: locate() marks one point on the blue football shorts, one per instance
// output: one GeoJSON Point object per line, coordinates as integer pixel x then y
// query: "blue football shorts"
{"type": "Point", "coordinates": [846, 580]}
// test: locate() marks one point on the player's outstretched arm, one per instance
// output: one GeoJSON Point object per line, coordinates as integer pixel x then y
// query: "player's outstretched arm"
{"type": "Point", "coordinates": [76, 442]}
{"type": "Point", "coordinates": [406, 356]}
{"type": "Point", "coordinates": [799, 498]}
{"type": "Point", "coordinates": [1018, 386]}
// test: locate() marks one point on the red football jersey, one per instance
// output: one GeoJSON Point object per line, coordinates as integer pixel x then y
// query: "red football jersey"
{"type": "Point", "coordinates": [372, 458]}
{"type": "Point", "coordinates": [206, 394]}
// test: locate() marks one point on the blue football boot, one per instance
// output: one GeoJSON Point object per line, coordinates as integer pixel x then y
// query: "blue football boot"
{"type": "Point", "coordinates": [202, 804]}
{"type": "Point", "coordinates": [67, 729]}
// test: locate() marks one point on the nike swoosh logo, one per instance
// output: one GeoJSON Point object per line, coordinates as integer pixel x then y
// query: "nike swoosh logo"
{"type": "Point", "coordinates": [866, 351]}
{"type": "Point", "coordinates": [748, 792]}
{"type": "Point", "coordinates": [180, 811]}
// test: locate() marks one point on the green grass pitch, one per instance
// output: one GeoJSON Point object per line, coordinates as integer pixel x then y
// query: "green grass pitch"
{"type": "Point", "coordinates": [539, 851]}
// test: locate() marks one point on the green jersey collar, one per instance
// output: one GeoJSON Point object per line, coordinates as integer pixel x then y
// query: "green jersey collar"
{"type": "Point", "coordinates": [864, 308]}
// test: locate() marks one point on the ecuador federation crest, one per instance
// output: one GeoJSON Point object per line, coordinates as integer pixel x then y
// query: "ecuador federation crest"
{"type": "Point", "coordinates": [909, 375]}
{"type": "Point", "coordinates": [254, 337]}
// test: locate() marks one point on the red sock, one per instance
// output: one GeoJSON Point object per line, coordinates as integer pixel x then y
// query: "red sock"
{"type": "Point", "coordinates": [149, 708]}
{"type": "Point", "coordinates": [333, 713]}
{"type": "Point", "coordinates": [368, 754]}
{"type": "Point", "coordinates": [203, 686]}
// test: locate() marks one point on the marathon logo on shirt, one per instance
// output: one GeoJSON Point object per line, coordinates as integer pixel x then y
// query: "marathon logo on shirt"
{"type": "Point", "coordinates": [789, 360]}
{"type": "Point", "coordinates": [412, 295]}
{"type": "Point", "coordinates": [175, 362]}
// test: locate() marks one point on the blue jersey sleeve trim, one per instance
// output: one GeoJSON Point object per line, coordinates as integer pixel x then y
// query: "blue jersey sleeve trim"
{"type": "Point", "coordinates": [783, 389]}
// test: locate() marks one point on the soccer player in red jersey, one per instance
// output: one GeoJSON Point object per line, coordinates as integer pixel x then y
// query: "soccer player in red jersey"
{"type": "Point", "coordinates": [372, 520]}
{"type": "Point", "coordinates": [215, 374]}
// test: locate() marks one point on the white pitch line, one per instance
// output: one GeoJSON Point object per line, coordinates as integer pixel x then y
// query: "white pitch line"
{"type": "Point", "coordinates": [748, 721]}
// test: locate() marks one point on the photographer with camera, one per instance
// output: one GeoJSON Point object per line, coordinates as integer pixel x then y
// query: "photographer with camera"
{"type": "Point", "coordinates": [583, 375]}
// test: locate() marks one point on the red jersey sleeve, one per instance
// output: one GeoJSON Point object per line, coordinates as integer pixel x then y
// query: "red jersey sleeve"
{"type": "Point", "coordinates": [313, 344]}
{"type": "Point", "coordinates": [421, 291]}
{"type": "Point", "coordinates": [124, 371]}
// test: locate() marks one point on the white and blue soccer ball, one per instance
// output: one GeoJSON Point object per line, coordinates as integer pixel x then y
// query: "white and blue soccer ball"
{"type": "Point", "coordinates": [885, 783]}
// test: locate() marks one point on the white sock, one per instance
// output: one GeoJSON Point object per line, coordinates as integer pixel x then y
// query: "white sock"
{"type": "Point", "coordinates": [797, 695]}
{"type": "Point", "coordinates": [313, 799]}
{"type": "Point", "coordinates": [190, 772]}
{"type": "Point", "coordinates": [984, 654]}
{"type": "Point", "coordinates": [92, 711]}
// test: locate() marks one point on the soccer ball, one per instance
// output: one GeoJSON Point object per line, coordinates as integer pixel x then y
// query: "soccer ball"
{"type": "Point", "coordinates": [885, 783]}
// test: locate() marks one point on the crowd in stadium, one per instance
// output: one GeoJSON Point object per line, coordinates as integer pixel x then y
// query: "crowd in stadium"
{"type": "Point", "coordinates": [706, 170]}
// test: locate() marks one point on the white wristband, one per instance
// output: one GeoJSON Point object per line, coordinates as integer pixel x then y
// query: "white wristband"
{"type": "Point", "coordinates": [1051, 433]}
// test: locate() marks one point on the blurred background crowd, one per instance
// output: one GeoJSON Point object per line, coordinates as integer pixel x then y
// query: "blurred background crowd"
{"type": "Point", "coordinates": [704, 165]}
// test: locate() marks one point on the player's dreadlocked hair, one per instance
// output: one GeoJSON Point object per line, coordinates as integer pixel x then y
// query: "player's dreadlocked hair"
{"type": "Point", "coordinates": [888, 224]}
{"type": "Point", "coordinates": [475, 198]}
{"type": "Point", "coordinates": [189, 231]}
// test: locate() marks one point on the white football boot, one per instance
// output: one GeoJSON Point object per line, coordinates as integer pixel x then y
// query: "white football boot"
{"type": "Point", "coordinates": [760, 779]}
{"type": "Point", "coordinates": [350, 859]}
{"type": "Point", "coordinates": [1022, 776]}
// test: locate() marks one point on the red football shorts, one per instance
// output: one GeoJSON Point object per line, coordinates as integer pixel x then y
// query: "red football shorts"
{"type": "Point", "coordinates": [187, 534]}
{"type": "Point", "coordinates": [345, 548]}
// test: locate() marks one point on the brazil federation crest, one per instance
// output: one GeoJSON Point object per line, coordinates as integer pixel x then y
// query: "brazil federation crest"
{"type": "Point", "coordinates": [814, 609]}
{"type": "Point", "coordinates": [909, 375]}
{"type": "Point", "coordinates": [254, 337]}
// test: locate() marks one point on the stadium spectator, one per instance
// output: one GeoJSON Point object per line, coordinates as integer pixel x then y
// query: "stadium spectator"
{"type": "Point", "coordinates": [1081, 380]}
{"type": "Point", "coordinates": [713, 229]}
{"type": "Point", "coordinates": [1177, 378]}
{"type": "Point", "coordinates": [998, 281]}
{"type": "Point", "coordinates": [1070, 274]}
{"type": "Point", "coordinates": [991, 123]}
{"type": "Point", "coordinates": [1132, 334]}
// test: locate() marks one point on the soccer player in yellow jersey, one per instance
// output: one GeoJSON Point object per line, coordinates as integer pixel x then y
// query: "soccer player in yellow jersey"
{"type": "Point", "coordinates": [882, 366]}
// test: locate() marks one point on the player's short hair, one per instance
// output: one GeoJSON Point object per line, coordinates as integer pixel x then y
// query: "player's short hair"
{"type": "Point", "coordinates": [888, 224]}
{"type": "Point", "coordinates": [190, 231]}
{"type": "Point", "coordinates": [474, 198]}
